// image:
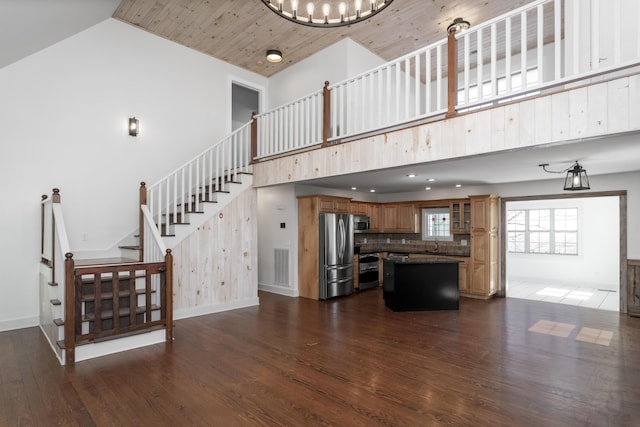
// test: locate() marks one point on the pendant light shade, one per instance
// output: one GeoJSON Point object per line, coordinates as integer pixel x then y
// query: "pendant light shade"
{"type": "Point", "coordinates": [576, 179]}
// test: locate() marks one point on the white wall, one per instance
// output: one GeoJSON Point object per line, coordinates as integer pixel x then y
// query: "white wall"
{"type": "Point", "coordinates": [597, 264]}
{"type": "Point", "coordinates": [334, 64]}
{"type": "Point", "coordinates": [63, 119]}
{"type": "Point", "coordinates": [277, 205]}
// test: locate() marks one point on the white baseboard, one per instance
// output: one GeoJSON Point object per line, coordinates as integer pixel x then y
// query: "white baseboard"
{"type": "Point", "coordinates": [90, 351]}
{"type": "Point", "coordinates": [215, 308]}
{"type": "Point", "coordinates": [280, 290]}
{"type": "Point", "coordinates": [24, 322]}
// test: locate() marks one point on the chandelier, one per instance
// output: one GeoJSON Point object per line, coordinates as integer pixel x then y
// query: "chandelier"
{"type": "Point", "coordinates": [326, 13]}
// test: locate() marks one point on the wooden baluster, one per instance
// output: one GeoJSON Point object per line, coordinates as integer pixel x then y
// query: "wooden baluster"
{"type": "Point", "coordinates": [143, 201]}
{"type": "Point", "coordinates": [326, 114]}
{"type": "Point", "coordinates": [72, 326]}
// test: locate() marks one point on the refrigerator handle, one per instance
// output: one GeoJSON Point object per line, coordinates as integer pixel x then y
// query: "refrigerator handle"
{"type": "Point", "coordinates": [342, 237]}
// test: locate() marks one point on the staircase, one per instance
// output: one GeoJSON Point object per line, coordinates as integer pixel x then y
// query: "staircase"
{"type": "Point", "coordinates": [92, 307]}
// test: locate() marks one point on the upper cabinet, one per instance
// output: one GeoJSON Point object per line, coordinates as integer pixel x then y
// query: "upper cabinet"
{"type": "Point", "coordinates": [460, 211]}
{"type": "Point", "coordinates": [399, 218]}
{"type": "Point", "coordinates": [334, 204]}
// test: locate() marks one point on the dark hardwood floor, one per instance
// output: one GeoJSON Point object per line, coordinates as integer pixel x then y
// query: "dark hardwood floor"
{"type": "Point", "coordinates": [344, 362]}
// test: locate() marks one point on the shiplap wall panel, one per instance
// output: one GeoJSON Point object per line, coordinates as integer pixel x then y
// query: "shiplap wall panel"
{"type": "Point", "coordinates": [542, 119]}
{"type": "Point", "coordinates": [217, 263]}
{"type": "Point", "coordinates": [597, 122]}
{"type": "Point", "coordinates": [618, 102]}
{"type": "Point", "coordinates": [634, 95]}
{"type": "Point", "coordinates": [565, 117]}
{"type": "Point", "coordinates": [559, 116]}
{"type": "Point", "coordinates": [527, 123]}
{"type": "Point", "coordinates": [578, 113]}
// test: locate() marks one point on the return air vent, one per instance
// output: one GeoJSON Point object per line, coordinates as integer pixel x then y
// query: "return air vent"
{"type": "Point", "coordinates": [281, 260]}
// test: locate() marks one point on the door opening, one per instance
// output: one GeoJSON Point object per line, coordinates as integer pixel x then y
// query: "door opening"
{"type": "Point", "coordinates": [244, 101]}
{"type": "Point", "coordinates": [564, 250]}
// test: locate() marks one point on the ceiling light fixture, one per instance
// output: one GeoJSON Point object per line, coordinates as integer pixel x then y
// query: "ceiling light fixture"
{"type": "Point", "coordinates": [431, 179]}
{"type": "Point", "coordinates": [372, 190]}
{"type": "Point", "coordinates": [354, 188]}
{"type": "Point", "coordinates": [274, 56]}
{"type": "Point", "coordinates": [576, 178]}
{"type": "Point", "coordinates": [134, 126]}
{"type": "Point", "coordinates": [458, 25]}
{"type": "Point", "coordinates": [411, 175]}
{"type": "Point", "coordinates": [333, 13]}
{"type": "Point", "coordinates": [458, 185]}
{"type": "Point", "coordinates": [427, 188]}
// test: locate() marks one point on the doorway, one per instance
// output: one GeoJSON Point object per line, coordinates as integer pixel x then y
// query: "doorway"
{"type": "Point", "coordinates": [245, 100]}
{"type": "Point", "coordinates": [565, 249]}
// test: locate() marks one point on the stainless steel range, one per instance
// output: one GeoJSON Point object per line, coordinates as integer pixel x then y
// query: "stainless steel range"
{"type": "Point", "coordinates": [368, 271]}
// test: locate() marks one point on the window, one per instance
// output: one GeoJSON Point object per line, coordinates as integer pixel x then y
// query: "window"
{"type": "Point", "coordinates": [531, 77]}
{"type": "Point", "coordinates": [436, 224]}
{"type": "Point", "coordinates": [543, 231]}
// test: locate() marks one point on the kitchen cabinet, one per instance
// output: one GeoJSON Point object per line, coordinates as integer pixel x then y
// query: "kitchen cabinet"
{"type": "Point", "coordinates": [375, 218]}
{"type": "Point", "coordinates": [359, 208]}
{"type": "Point", "coordinates": [460, 212]}
{"type": "Point", "coordinates": [484, 245]}
{"type": "Point", "coordinates": [333, 204]}
{"type": "Point", "coordinates": [309, 209]}
{"type": "Point", "coordinates": [399, 218]}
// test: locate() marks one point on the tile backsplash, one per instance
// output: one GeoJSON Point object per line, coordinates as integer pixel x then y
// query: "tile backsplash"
{"type": "Point", "coordinates": [411, 242]}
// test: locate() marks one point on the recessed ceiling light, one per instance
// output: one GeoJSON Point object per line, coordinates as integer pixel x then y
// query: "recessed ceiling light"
{"type": "Point", "coordinates": [431, 179]}
{"type": "Point", "coordinates": [458, 185]}
{"type": "Point", "coordinates": [274, 56]}
{"type": "Point", "coordinates": [354, 188]}
{"type": "Point", "coordinates": [411, 175]}
{"type": "Point", "coordinates": [427, 188]}
{"type": "Point", "coordinates": [372, 190]}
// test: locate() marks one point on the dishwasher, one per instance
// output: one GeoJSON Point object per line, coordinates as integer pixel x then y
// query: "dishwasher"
{"type": "Point", "coordinates": [368, 271]}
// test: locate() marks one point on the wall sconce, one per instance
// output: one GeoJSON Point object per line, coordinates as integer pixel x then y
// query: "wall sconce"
{"type": "Point", "coordinates": [134, 126]}
{"type": "Point", "coordinates": [458, 25]}
{"type": "Point", "coordinates": [576, 178]}
{"type": "Point", "coordinates": [274, 56]}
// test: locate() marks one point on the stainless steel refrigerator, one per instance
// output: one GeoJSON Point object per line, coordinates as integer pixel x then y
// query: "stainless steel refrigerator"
{"type": "Point", "coordinates": [336, 255]}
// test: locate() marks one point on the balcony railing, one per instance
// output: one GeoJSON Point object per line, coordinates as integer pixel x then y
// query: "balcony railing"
{"type": "Point", "coordinates": [537, 48]}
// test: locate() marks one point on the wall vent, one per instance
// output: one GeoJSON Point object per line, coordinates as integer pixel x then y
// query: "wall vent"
{"type": "Point", "coordinates": [281, 259]}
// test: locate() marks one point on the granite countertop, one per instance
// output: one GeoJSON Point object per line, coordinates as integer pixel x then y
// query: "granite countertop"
{"type": "Point", "coordinates": [404, 250]}
{"type": "Point", "coordinates": [407, 260]}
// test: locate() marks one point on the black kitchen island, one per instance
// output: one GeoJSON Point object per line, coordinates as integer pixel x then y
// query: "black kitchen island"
{"type": "Point", "coordinates": [420, 284]}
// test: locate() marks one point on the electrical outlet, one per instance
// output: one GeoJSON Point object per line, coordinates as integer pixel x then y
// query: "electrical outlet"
{"type": "Point", "coordinates": [365, 241]}
{"type": "Point", "coordinates": [388, 240]}
{"type": "Point", "coordinates": [463, 243]}
{"type": "Point", "coordinates": [403, 241]}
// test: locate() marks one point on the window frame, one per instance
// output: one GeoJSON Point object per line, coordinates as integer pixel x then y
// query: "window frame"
{"type": "Point", "coordinates": [546, 229]}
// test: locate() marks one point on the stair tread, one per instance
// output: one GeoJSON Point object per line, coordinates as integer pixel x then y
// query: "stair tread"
{"type": "Point", "coordinates": [56, 301]}
{"type": "Point", "coordinates": [58, 322]}
{"type": "Point", "coordinates": [133, 247]}
{"type": "Point", "coordinates": [124, 311]}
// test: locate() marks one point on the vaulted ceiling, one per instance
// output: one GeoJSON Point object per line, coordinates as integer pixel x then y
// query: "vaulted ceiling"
{"type": "Point", "coordinates": [241, 31]}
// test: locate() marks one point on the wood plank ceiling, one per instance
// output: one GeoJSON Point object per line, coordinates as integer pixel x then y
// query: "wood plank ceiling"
{"type": "Point", "coordinates": [241, 31]}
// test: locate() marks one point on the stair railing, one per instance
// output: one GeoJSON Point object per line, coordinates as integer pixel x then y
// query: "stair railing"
{"type": "Point", "coordinates": [56, 254]}
{"type": "Point", "coordinates": [197, 181]}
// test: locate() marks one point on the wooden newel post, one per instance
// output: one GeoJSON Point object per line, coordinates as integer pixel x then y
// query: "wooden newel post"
{"type": "Point", "coordinates": [70, 310]}
{"type": "Point", "coordinates": [452, 74]}
{"type": "Point", "coordinates": [143, 201]}
{"type": "Point", "coordinates": [326, 114]}
{"type": "Point", "coordinates": [168, 258]}
{"type": "Point", "coordinates": [254, 137]}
